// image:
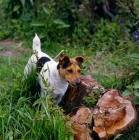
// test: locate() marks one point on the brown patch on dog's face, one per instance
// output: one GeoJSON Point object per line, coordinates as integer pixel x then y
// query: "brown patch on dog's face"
{"type": "Point", "coordinates": [69, 69]}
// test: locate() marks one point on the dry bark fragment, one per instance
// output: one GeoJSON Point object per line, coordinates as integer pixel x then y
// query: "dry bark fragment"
{"type": "Point", "coordinates": [82, 121]}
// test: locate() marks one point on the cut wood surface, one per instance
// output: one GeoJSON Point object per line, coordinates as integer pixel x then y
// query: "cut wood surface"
{"type": "Point", "coordinates": [114, 114]}
{"type": "Point", "coordinates": [82, 122]}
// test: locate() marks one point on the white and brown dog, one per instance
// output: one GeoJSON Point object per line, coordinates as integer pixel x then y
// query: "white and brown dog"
{"type": "Point", "coordinates": [59, 74]}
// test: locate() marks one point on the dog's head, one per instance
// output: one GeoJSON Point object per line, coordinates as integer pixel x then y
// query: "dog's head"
{"type": "Point", "coordinates": [69, 69]}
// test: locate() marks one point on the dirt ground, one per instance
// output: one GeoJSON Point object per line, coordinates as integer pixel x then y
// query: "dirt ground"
{"type": "Point", "coordinates": [11, 48]}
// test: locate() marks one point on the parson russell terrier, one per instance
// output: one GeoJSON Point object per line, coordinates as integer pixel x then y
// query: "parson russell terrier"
{"type": "Point", "coordinates": [59, 74]}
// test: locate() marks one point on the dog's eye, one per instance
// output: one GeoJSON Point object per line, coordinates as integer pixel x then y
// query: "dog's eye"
{"type": "Point", "coordinates": [79, 71]}
{"type": "Point", "coordinates": [70, 71]}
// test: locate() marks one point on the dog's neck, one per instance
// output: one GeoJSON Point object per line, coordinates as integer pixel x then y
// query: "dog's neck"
{"type": "Point", "coordinates": [59, 76]}
{"type": "Point", "coordinates": [59, 83]}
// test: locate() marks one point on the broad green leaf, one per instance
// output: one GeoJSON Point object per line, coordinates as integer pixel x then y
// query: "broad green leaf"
{"type": "Point", "coordinates": [58, 21]}
{"type": "Point", "coordinates": [14, 21]}
{"type": "Point", "coordinates": [31, 1]}
{"type": "Point", "coordinates": [129, 87]}
{"type": "Point", "coordinates": [16, 7]}
{"type": "Point", "coordinates": [85, 30]}
{"type": "Point", "coordinates": [46, 10]}
{"type": "Point", "coordinates": [132, 73]}
{"type": "Point", "coordinates": [37, 24]}
{"type": "Point", "coordinates": [23, 2]}
{"type": "Point", "coordinates": [42, 35]}
{"type": "Point", "coordinates": [136, 23]}
{"type": "Point", "coordinates": [126, 92]}
{"type": "Point", "coordinates": [136, 84]}
{"type": "Point", "coordinates": [63, 26]}
{"type": "Point", "coordinates": [135, 55]}
{"type": "Point", "coordinates": [136, 100]}
{"type": "Point", "coordinates": [136, 93]}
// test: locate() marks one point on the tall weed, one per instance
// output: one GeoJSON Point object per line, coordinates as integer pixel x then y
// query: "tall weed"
{"type": "Point", "coordinates": [20, 117]}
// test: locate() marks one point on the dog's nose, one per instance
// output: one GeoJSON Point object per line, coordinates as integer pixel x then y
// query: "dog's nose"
{"type": "Point", "coordinates": [78, 83]}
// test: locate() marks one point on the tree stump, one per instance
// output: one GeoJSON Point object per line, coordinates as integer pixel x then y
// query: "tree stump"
{"type": "Point", "coordinates": [74, 96]}
{"type": "Point", "coordinates": [82, 121]}
{"type": "Point", "coordinates": [114, 114]}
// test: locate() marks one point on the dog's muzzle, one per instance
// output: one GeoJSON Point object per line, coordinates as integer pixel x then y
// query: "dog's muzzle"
{"type": "Point", "coordinates": [76, 84]}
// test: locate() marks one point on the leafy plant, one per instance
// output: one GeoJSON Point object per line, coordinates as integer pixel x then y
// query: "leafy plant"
{"type": "Point", "coordinates": [20, 118]}
{"type": "Point", "coordinates": [92, 98]}
{"type": "Point", "coordinates": [108, 35]}
{"type": "Point", "coordinates": [130, 67]}
{"type": "Point", "coordinates": [133, 90]}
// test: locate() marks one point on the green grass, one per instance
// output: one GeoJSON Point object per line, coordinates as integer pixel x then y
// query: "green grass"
{"type": "Point", "coordinates": [18, 115]}
{"type": "Point", "coordinates": [111, 59]}
{"type": "Point", "coordinates": [19, 118]}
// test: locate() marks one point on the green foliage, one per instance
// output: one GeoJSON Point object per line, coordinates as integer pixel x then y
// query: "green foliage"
{"type": "Point", "coordinates": [133, 136]}
{"type": "Point", "coordinates": [111, 58]}
{"type": "Point", "coordinates": [108, 35]}
{"type": "Point", "coordinates": [49, 23]}
{"type": "Point", "coordinates": [130, 63]}
{"type": "Point", "coordinates": [20, 118]}
{"type": "Point", "coordinates": [129, 81]}
{"type": "Point", "coordinates": [126, 22]}
{"type": "Point", "coordinates": [22, 122]}
{"type": "Point", "coordinates": [133, 90]}
{"type": "Point", "coordinates": [64, 19]}
{"type": "Point", "coordinates": [33, 16]}
{"type": "Point", "coordinates": [92, 98]}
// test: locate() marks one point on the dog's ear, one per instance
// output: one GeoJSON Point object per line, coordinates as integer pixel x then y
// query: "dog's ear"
{"type": "Point", "coordinates": [63, 59]}
{"type": "Point", "coordinates": [80, 60]}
